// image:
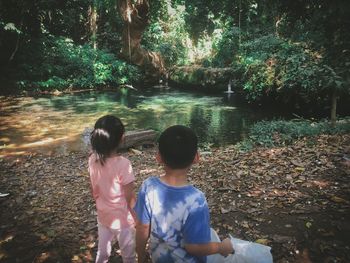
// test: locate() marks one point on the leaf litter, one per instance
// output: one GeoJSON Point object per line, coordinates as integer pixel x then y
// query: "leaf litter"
{"type": "Point", "coordinates": [295, 199]}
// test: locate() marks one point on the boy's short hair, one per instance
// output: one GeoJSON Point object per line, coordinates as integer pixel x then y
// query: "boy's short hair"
{"type": "Point", "coordinates": [178, 146]}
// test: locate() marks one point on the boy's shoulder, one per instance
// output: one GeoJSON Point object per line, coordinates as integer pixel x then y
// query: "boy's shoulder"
{"type": "Point", "coordinates": [150, 181]}
{"type": "Point", "coordinates": [155, 181]}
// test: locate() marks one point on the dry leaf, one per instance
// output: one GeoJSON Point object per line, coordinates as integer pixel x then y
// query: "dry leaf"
{"type": "Point", "coordinates": [262, 241]}
{"type": "Point", "coordinates": [338, 199]}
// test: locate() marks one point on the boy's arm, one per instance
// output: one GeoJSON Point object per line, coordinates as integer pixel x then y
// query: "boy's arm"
{"type": "Point", "coordinates": [224, 248]}
{"type": "Point", "coordinates": [197, 234]}
{"type": "Point", "coordinates": [130, 197]}
{"type": "Point", "coordinates": [142, 235]}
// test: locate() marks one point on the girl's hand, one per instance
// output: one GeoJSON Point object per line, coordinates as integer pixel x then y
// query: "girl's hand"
{"type": "Point", "coordinates": [226, 247]}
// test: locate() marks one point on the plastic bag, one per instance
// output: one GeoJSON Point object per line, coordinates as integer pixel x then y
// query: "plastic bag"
{"type": "Point", "coordinates": [245, 252]}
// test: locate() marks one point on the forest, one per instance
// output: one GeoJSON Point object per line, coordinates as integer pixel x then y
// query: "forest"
{"type": "Point", "coordinates": [288, 52]}
{"type": "Point", "coordinates": [275, 150]}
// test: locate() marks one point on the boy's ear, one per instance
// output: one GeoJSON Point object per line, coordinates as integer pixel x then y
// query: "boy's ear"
{"type": "Point", "coordinates": [196, 158]}
{"type": "Point", "coordinates": [159, 158]}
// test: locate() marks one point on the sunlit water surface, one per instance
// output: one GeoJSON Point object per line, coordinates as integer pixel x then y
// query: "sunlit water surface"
{"type": "Point", "coordinates": [55, 123]}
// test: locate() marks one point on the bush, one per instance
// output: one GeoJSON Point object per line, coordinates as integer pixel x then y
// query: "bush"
{"type": "Point", "coordinates": [61, 64]}
{"type": "Point", "coordinates": [291, 73]}
{"type": "Point", "coordinates": [268, 69]}
{"type": "Point", "coordinates": [281, 132]}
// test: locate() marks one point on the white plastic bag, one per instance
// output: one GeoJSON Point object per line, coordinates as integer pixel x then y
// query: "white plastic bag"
{"type": "Point", "coordinates": [249, 252]}
{"type": "Point", "coordinates": [245, 252]}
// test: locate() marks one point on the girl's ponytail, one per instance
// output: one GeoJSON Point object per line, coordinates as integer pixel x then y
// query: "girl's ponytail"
{"type": "Point", "coordinates": [100, 144]}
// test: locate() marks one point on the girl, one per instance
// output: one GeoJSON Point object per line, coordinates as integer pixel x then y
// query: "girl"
{"type": "Point", "coordinates": [112, 182]}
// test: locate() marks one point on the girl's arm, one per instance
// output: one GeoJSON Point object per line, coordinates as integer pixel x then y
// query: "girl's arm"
{"type": "Point", "coordinates": [224, 248]}
{"type": "Point", "coordinates": [93, 190]}
{"type": "Point", "coordinates": [142, 235]}
{"type": "Point", "coordinates": [130, 197]}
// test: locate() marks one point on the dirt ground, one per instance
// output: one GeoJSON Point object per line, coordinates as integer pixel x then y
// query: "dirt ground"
{"type": "Point", "coordinates": [295, 199]}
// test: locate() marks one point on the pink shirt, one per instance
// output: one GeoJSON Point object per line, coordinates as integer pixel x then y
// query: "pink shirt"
{"type": "Point", "coordinates": [106, 182]}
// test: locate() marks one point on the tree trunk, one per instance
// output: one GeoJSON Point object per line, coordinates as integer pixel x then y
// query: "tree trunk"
{"type": "Point", "coordinates": [135, 17]}
{"type": "Point", "coordinates": [334, 108]}
{"type": "Point", "coordinates": [16, 48]}
{"type": "Point", "coordinates": [92, 13]}
{"type": "Point", "coordinates": [18, 39]}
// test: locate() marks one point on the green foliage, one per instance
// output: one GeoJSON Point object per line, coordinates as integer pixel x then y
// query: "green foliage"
{"type": "Point", "coordinates": [245, 145]}
{"type": "Point", "coordinates": [10, 27]}
{"type": "Point", "coordinates": [281, 132]}
{"type": "Point", "coordinates": [167, 35]}
{"type": "Point", "coordinates": [63, 64]}
{"type": "Point", "coordinates": [291, 72]}
{"type": "Point", "coordinates": [198, 18]}
{"type": "Point", "coordinates": [226, 47]}
{"type": "Point", "coordinates": [293, 52]}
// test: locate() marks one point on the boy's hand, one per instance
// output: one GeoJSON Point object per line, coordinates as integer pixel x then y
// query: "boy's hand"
{"type": "Point", "coordinates": [142, 235]}
{"type": "Point", "coordinates": [226, 247]}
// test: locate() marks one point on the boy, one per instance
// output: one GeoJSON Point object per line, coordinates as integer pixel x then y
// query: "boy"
{"type": "Point", "coordinates": [170, 211]}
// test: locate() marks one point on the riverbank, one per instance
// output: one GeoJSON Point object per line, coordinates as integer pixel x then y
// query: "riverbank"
{"type": "Point", "coordinates": [295, 199]}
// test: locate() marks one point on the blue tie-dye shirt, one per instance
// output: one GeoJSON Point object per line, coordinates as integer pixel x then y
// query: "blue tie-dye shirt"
{"type": "Point", "coordinates": [177, 215]}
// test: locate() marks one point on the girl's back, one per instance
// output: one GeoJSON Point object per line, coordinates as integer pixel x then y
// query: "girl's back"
{"type": "Point", "coordinates": [107, 180]}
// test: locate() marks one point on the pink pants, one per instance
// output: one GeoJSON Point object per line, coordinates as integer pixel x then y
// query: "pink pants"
{"type": "Point", "coordinates": [125, 238]}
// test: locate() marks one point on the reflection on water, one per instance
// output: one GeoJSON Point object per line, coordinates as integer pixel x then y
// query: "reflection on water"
{"type": "Point", "coordinates": [56, 123]}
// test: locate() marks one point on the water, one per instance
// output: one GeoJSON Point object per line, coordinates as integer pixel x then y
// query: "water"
{"type": "Point", "coordinates": [55, 123]}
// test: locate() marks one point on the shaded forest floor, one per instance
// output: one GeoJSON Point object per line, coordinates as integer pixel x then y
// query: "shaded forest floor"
{"type": "Point", "coordinates": [295, 199]}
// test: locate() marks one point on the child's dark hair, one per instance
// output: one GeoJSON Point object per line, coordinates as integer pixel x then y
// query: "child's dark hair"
{"type": "Point", "coordinates": [106, 136]}
{"type": "Point", "coordinates": [178, 146]}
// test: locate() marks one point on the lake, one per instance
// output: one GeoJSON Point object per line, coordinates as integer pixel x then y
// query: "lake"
{"type": "Point", "coordinates": [55, 123]}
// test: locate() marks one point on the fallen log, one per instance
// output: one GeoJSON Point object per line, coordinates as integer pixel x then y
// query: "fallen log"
{"type": "Point", "coordinates": [131, 138]}
{"type": "Point", "coordinates": [138, 137]}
